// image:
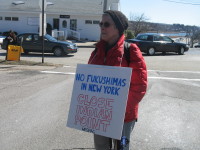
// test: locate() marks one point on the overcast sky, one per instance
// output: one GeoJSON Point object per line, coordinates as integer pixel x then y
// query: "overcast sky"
{"type": "Point", "coordinates": [185, 12]}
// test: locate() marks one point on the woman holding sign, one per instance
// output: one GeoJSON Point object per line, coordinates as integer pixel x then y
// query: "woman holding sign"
{"type": "Point", "coordinates": [110, 51]}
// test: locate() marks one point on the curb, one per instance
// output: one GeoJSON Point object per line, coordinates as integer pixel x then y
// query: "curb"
{"type": "Point", "coordinates": [87, 46]}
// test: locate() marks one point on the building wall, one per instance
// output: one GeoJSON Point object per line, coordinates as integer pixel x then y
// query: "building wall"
{"type": "Point", "coordinates": [80, 10]}
{"type": "Point", "coordinates": [89, 31]}
{"type": "Point", "coordinates": [19, 26]}
{"type": "Point", "coordinates": [30, 23]}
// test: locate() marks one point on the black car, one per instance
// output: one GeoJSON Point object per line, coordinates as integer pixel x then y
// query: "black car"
{"type": "Point", "coordinates": [152, 43]}
{"type": "Point", "coordinates": [32, 42]}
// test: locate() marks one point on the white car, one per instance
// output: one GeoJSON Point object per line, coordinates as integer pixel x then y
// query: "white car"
{"type": "Point", "coordinates": [1, 39]}
{"type": "Point", "coordinates": [197, 45]}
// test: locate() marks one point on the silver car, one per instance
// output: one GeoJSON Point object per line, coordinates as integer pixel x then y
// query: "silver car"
{"type": "Point", "coordinates": [1, 39]}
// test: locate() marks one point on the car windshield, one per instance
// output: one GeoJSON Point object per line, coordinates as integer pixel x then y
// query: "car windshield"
{"type": "Point", "coordinates": [50, 38]}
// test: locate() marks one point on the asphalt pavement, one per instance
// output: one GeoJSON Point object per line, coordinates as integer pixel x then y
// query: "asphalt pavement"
{"type": "Point", "coordinates": [34, 103]}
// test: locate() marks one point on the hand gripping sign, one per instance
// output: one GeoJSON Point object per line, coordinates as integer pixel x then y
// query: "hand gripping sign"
{"type": "Point", "coordinates": [99, 99]}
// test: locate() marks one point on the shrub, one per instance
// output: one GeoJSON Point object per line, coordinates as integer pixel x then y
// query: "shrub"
{"type": "Point", "coordinates": [129, 34]}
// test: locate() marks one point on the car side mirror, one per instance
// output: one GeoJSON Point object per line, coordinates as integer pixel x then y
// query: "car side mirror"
{"type": "Point", "coordinates": [172, 41]}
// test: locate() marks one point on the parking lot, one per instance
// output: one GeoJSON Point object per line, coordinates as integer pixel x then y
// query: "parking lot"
{"type": "Point", "coordinates": [34, 103]}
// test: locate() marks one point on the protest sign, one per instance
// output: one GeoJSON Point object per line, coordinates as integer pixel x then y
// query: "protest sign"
{"type": "Point", "coordinates": [99, 99]}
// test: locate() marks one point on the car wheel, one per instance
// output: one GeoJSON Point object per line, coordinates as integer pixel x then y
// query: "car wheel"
{"type": "Point", "coordinates": [151, 51]}
{"type": "Point", "coordinates": [181, 51]}
{"type": "Point", "coordinates": [58, 51]}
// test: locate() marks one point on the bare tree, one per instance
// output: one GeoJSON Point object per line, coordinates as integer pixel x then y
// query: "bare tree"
{"type": "Point", "coordinates": [138, 23]}
{"type": "Point", "coordinates": [195, 36]}
{"type": "Point", "coordinates": [193, 32]}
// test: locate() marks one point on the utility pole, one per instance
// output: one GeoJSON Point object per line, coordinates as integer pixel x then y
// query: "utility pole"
{"type": "Point", "coordinates": [105, 4]}
{"type": "Point", "coordinates": [43, 5]}
{"type": "Point", "coordinates": [42, 31]}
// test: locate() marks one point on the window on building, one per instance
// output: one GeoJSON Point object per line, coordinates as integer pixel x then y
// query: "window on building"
{"type": "Point", "coordinates": [88, 21]}
{"type": "Point", "coordinates": [1, 18]}
{"type": "Point", "coordinates": [96, 22]}
{"type": "Point", "coordinates": [8, 18]}
{"type": "Point", "coordinates": [73, 24]}
{"type": "Point", "coordinates": [15, 19]}
{"type": "Point", "coordinates": [64, 24]}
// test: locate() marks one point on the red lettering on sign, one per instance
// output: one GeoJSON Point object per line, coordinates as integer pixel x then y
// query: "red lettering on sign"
{"type": "Point", "coordinates": [93, 113]}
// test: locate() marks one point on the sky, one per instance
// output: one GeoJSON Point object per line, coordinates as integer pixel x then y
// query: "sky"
{"type": "Point", "coordinates": [185, 12]}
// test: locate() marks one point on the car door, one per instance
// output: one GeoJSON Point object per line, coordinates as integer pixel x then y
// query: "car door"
{"type": "Point", "coordinates": [158, 43]}
{"type": "Point", "coordinates": [169, 44]}
{"type": "Point", "coordinates": [36, 43]}
{"type": "Point", "coordinates": [143, 42]}
{"type": "Point", "coordinates": [27, 40]}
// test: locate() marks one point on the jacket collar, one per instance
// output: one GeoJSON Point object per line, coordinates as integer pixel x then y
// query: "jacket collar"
{"type": "Point", "coordinates": [102, 43]}
{"type": "Point", "coordinates": [116, 51]}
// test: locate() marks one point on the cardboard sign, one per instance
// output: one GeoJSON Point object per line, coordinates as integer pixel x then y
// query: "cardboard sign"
{"type": "Point", "coordinates": [99, 99]}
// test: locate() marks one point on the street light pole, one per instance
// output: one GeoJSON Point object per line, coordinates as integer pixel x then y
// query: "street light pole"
{"type": "Point", "coordinates": [42, 31]}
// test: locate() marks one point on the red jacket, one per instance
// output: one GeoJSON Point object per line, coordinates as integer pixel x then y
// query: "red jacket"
{"type": "Point", "coordinates": [138, 83]}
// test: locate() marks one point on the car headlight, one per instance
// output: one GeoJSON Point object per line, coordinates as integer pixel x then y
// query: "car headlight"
{"type": "Point", "coordinates": [71, 46]}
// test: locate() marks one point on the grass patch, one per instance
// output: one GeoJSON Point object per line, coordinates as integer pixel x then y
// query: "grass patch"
{"type": "Point", "coordinates": [28, 63]}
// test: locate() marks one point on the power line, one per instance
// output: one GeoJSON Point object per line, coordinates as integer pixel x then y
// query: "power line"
{"type": "Point", "coordinates": [181, 2]}
{"type": "Point", "coordinates": [193, 1]}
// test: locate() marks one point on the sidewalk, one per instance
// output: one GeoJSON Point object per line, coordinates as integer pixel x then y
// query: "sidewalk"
{"type": "Point", "coordinates": [85, 44]}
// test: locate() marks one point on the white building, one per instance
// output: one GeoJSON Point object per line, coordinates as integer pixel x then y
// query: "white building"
{"type": "Point", "coordinates": [81, 16]}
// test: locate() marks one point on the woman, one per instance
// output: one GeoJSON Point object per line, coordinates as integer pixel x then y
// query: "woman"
{"type": "Point", "coordinates": [11, 39]}
{"type": "Point", "coordinates": [110, 51]}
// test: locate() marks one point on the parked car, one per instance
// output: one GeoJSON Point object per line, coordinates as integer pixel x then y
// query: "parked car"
{"type": "Point", "coordinates": [1, 39]}
{"type": "Point", "coordinates": [152, 43]}
{"type": "Point", "coordinates": [32, 42]}
{"type": "Point", "coordinates": [197, 46]}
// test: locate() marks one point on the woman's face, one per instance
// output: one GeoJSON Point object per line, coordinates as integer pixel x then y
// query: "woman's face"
{"type": "Point", "coordinates": [109, 32]}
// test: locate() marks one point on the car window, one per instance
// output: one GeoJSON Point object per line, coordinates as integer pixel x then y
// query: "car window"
{"type": "Point", "coordinates": [28, 38]}
{"type": "Point", "coordinates": [158, 38]}
{"type": "Point", "coordinates": [20, 38]}
{"type": "Point", "coordinates": [166, 39]}
{"type": "Point", "coordinates": [35, 37]}
{"type": "Point", "coordinates": [50, 38]}
{"type": "Point", "coordinates": [142, 37]}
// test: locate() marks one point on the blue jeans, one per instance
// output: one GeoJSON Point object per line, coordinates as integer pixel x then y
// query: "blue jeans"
{"type": "Point", "coordinates": [103, 143]}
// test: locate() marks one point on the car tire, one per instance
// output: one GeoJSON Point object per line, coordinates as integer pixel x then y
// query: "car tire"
{"type": "Point", "coordinates": [151, 51]}
{"type": "Point", "coordinates": [58, 51]}
{"type": "Point", "coordinates": [181, 51]}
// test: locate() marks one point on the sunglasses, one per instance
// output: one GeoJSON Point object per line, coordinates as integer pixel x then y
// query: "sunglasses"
{"type": "Point", "coordinates": [105, 24]}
